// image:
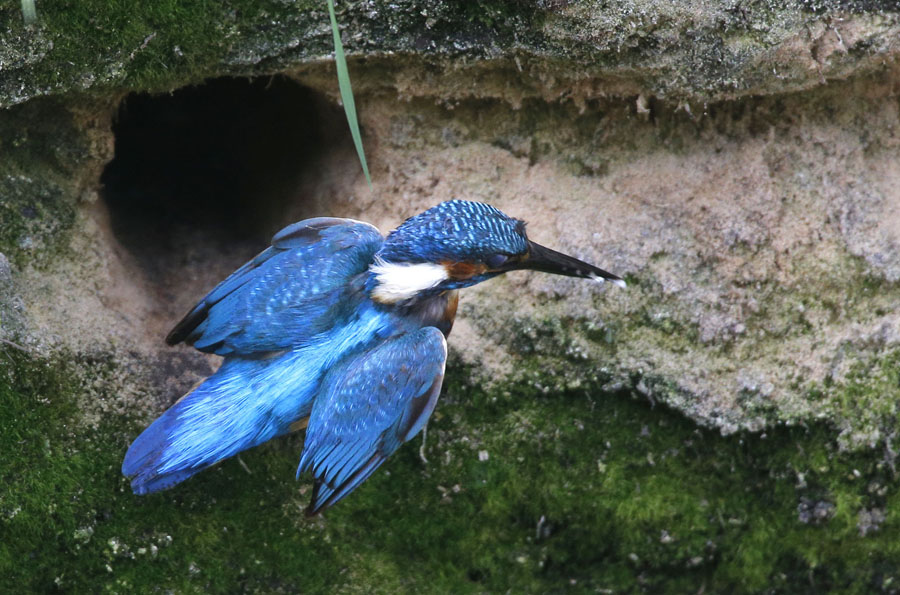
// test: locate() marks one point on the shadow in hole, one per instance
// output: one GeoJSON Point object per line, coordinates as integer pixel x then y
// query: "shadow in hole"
{"type": "Point", "coordinates": [201, 170]}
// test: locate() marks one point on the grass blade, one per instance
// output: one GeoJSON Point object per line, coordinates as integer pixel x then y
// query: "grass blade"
{"type": "Point", "coordinates": [347, 91]}
{"type": "Point", "coordinates": [29, 13]}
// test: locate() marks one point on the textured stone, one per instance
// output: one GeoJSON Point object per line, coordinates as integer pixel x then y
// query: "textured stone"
{"type": "Point", "coordinates": [683, 50]}
{"type": "Point", "coordinates": [697, 149]}
{"type": "Point", "coordinates": [736, 161]}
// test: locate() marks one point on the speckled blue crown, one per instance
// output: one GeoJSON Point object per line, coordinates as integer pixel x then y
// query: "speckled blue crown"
{"type": "Point", "coordinates": [456, 230]}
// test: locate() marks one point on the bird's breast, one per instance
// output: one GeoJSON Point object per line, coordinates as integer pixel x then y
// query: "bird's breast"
{"type": "Point", "coordinates": [440, 311]}
{"type": "Point", "coordinates": [449, 314]}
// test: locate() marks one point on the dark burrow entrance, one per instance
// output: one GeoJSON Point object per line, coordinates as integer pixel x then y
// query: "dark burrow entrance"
{"type": "Point", "coordinates": [210, 170]}
{"type": "Point", "coordinates": [201, 179]}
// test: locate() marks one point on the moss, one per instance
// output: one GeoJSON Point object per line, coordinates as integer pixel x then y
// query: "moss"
{"type": "Point", "coordinates": [522, 491]}
{"type": "Point", "coordinates": [138, 45]}
{"type": "Point", "coordinates": [865, 399]}
{"type": "Point", "coordinates": [98, 45]}
{"type": "Point", "coordinates": [653, 46]}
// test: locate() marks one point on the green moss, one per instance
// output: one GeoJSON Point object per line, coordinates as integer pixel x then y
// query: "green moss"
{"type": "Point", "coordinates": [522, 491]}
{"type": "Point", "coordinates": [670, 49]}
{"type": "Point", "coordinates": [864, 400]}
{"type": "Point", "coordinates": [102, 45]}
{"type": "Point", "coordinates": [498, 14]}
{"type": "Point", "coordinates": [149, 46]}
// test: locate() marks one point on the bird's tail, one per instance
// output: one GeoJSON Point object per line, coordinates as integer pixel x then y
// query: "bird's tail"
{"type": "Point", "coordinates": [228, 413]}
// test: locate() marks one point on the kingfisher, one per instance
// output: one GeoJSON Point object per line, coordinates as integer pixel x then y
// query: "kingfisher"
{"type": "Point", "coordinates": [336, 329]}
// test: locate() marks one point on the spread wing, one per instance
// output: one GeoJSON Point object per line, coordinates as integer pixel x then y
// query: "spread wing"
{"type": "Point", "coordinates": [287, 294]}
{"type": "Point", "coordinates": [368, 406]}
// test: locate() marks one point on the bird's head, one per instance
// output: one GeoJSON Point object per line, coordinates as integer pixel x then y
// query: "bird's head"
{"type": "Point", "coordinates": [459, 243]}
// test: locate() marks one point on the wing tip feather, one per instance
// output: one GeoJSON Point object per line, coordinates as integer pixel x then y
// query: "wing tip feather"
{"type": "Point", "coordinates": [187, 325]}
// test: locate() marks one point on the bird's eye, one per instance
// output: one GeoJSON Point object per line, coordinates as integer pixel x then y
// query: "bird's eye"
{"type": "Point", "coordinates": [495, 261]}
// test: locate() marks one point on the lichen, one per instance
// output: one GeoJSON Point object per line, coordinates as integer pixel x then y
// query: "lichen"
{"type": "Point", "coordinates": [864, 400]}
{"type": "Point", "coordinates": [48, 154]}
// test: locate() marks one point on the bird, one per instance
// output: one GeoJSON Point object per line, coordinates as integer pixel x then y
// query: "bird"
{"type": "Point", "coordinates": [337, 329]}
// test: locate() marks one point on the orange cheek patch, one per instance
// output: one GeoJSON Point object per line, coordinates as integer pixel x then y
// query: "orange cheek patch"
{"type": "Point", "coordinates": [464, 270]}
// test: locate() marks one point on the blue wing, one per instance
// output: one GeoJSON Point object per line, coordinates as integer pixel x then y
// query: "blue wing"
{"type": "Point", "coordinates": [287, 294]}
{"type": "Point", "coordinates": [368, 406]}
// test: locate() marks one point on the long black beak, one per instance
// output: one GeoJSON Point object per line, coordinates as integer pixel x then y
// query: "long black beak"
{"type": "Point", "coordinates": [546, 260]}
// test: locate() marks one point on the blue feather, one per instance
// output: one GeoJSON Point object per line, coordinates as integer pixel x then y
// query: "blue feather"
{"type": "Point", "coordinates": [455, 230]}
{"type": "Point", "coordinates": [262, 317]}
{"type": "Point", "coordinates": [368, 405]}
{"type": "Point", "coordinates": [287, 294]}
{"type": "Point", "coordinates": [245, 403]}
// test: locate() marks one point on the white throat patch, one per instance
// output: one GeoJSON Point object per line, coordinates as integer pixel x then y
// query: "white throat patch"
{"type": "Point", "coordinates": [399, 282]}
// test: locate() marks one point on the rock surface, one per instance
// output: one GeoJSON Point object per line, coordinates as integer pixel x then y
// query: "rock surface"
{"type": "Point", "coordinates": [737, 162]}
{"type": "Point", "coordinates": [683, 50]}
{"type": "Point", "coordinates": [760, 234]}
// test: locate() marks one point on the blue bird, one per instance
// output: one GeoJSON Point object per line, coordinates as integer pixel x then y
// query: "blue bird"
{"type": "Point", "coordinates": [339, 330]}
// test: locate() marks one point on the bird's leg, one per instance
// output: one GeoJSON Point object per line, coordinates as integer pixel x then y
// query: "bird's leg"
{"type": "Point", "coordinates": [422, 448]}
